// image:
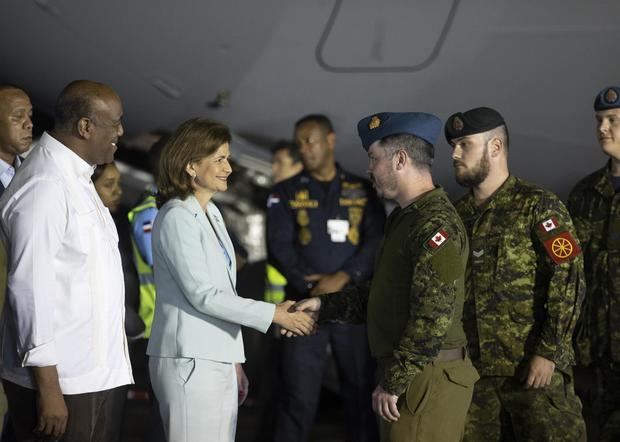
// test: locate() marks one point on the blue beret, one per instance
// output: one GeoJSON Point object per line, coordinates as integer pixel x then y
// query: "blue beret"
{"type": "Point", "coordinates": [473, 121]}
{"type": "Point", "coordinates": [608, 98]}
{"type": "Point", "coordinates": [381, 125]}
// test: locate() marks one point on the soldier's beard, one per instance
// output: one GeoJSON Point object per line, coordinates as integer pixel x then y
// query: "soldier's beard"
{"type": "Point", "coordinates": [385, 187]}
{"type": "Point", "coordinates": [477, 174]}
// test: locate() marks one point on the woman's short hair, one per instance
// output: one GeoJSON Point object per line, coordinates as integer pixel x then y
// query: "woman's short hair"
{"type": "Point", "coordinates": [192, 141]}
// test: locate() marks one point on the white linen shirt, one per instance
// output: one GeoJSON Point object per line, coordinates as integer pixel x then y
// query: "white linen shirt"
{"type": "Point", "coordinates": [65, 293]}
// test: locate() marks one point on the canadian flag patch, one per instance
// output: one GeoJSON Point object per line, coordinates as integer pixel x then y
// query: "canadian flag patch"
{"type": "Point", "coordinates": [438, 239]}
{"type": "Point", "coordinates": [549, 224]}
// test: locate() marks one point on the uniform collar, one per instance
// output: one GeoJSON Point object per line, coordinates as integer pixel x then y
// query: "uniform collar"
{"type": "Point", "coordinates": [423, 199]}
{"type": "Point", "coordinates": [340, 175]}
{"type": "Point", "coordinates": [506, 190]}
{"type": "Point", "coordinates": [603, 183]}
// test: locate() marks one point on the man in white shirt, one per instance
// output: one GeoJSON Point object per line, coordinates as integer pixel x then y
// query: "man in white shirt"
{"type": "Point", "coordinates": [15, 131]}
{"type": "Point", "coordinates": [64, 362]}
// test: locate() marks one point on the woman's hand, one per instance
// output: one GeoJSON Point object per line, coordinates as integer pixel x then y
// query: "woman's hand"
{"type": "Point", "coordinates": [243, 385]}
{"type": "Point", "coordinates": [297, 322]}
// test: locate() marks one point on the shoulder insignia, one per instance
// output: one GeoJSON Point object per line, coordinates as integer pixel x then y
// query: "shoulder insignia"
{"type": "Point", "coordinates": [562, 247]}
{"type": "Point", "coordinates": [558, 242]}
{"type": "Point", "coordinates": [548, 225]}
{"type": "Point", "coordinates": [437, 240]}
{"type": "Point", "coordinates": [147, 227]}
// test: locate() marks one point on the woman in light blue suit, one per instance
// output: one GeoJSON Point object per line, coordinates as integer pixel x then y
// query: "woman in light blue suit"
{"type": "Point", "coordinates": [196, 348]}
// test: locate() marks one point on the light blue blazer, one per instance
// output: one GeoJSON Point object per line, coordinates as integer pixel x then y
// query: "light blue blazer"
{"type": "Point", "coordinates": [198, 313]}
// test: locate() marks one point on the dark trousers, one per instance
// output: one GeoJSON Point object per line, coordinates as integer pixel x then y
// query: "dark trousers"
{"type": "Point", "coordinates": [93, 417]}
{"type": "Point", "coordinates": [303, 363]}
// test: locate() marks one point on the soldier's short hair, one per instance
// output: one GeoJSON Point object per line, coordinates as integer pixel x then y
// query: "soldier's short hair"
{"type": "Point", "coordinates": [419, 150]}
{"type": "Point", "coordinates": [502, 133]}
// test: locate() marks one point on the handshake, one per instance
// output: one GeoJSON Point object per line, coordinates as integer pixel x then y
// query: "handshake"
{"type": "Point", "coordinates": [298, 318]}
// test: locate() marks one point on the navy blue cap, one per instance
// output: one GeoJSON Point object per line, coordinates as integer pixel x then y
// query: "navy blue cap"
{"type": "Point", "coordinates": [473, 121]}
{"type": "Point", "coordinates": [381, 125]}
{"type": "Point", "coordinates": [608, 98]}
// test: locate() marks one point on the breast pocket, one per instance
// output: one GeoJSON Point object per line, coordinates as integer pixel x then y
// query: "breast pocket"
{"type": "Point", "coordinates": [87, 225]}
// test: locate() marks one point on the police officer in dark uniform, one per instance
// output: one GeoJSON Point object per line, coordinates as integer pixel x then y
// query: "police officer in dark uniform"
{"type": "Point", "coordinates": [324, 226]}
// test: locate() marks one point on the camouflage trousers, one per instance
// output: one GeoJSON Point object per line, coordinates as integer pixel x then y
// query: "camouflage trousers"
{"type": "Point", "coordinates": [503, 410]}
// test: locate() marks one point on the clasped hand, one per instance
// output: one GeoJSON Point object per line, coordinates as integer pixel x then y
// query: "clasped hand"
{"type": "Point", "coordinates": [309, 307]}
{"type": "Point", "coordinates": [294, 321]}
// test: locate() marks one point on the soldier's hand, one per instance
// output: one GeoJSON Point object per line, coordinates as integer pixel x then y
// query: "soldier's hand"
{"type": "Point", "coordinates": [328, 283]}
{"type": "Point", "coordinates": [384, 404]}
{"type": "Point", "coordinates": [312, 306]}
{"type": "Point", "coordinates": [293, 322]}
{"type": "Point", "coordinates": [539, 372]}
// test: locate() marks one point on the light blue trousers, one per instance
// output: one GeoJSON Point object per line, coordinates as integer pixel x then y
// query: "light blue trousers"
{"type": "Point", "coordinates": [197, 398]}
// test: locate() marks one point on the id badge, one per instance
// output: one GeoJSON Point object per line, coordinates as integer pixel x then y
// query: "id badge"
{"type": "Point", "coordinates": [338, 229]}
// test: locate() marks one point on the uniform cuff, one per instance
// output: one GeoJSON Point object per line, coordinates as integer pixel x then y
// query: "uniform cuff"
{"type": "Point", "coordinates": [394, 381]}
{"type": "Point", "coordinates": [546, 351]}
{"type": "Point", "coordinates": [43, 355]}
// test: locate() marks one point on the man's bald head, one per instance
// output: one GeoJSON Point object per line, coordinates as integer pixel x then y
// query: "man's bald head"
{"type": "Point", "coordinates": [79, 99]}
{"type": "Point", "coordinates": [15, 122]}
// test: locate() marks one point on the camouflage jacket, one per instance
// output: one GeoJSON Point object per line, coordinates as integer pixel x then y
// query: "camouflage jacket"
{"type": "Point", "coordinates": [413, 306]}
{"type": "Point", "coordinates": [525, 280]}
{"type": "Point", "coordinates": [595, 208]}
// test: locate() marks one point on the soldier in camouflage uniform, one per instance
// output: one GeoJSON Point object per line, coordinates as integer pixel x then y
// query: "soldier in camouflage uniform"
{"type": "Point", "coordinates": [524, 286]}
{"type": "Point", "coordinates": [413, 306]}
{"type": "Point", "coordinates": [594, 204]}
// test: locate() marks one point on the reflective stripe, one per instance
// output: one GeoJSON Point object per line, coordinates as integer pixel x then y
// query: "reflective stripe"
{"type": "Point", "coordinates": [145, 272]}
{"type": "Point", "coordinates": [274, 285]}
{"type": "Point", "coordinates": [146, 278]}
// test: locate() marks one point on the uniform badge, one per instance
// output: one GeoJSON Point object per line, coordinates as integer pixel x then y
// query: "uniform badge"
{"type": "Point", "coordinates": [302, 195]}
{"type": "Point", "coordinates": [305, 236]}
{"type": "Point", "coordinates": [457, 124]}
{"type": "Point", "coordinates": [611, 96]}
{"type": "Point", "coordinates": [374, 122]}
{"type": "Point", "coordinates": [548, 225]}
{"type": "Point", "coordinates": [354, 236]}
{"type": "Point", "coordinates": [355, 215]}
{"type": "Point", "coordinates": [438, 239]}
{"type": "Point", "coordinates": [147, 227]}
{"type": "Point", "coordinates": [302, 218]}
{"type": "Point", "coordinates": [562, 247]}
